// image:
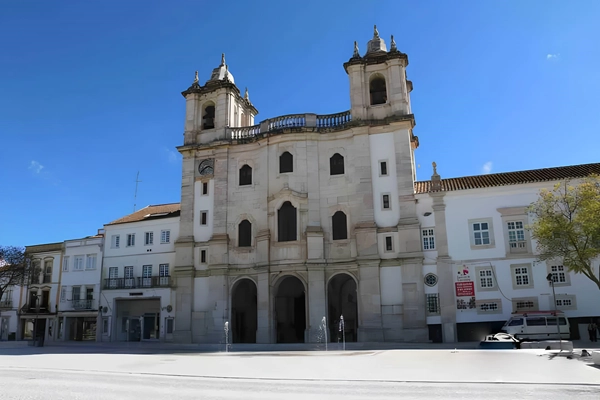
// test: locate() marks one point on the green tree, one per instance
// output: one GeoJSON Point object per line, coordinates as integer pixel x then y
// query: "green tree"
{"type": "Point", "coordinates": [566, 225]}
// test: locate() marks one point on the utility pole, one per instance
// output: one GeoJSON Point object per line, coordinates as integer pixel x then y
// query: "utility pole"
{"type": "Point", "coordinates": [137, 180]}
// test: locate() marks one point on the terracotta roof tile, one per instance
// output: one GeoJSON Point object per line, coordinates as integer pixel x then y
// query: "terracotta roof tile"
{"type": "Point", "coordinates": [511, 178]}
{"type": "Point", "coordinates": [149, 213]}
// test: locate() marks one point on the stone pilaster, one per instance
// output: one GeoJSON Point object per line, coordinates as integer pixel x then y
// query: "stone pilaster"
{"type": "Point", "coordinates": [263, 307]}
{"type": "Point", "coordinates": [370, 327]}
{"type": "Point", "coordinates": [184, 298]}
{"type": "Point", "coordinates": [317, 302]}
{"type": "Point", "coordinates": [444, 270]}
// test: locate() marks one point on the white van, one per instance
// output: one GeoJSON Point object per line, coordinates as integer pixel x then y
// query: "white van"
{"type": "Point", "coordinates": [537, 325]}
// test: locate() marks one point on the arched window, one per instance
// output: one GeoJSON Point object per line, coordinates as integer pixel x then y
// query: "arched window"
{"type": "Point", "coordinates": [336, 164]}
{"type": "Point", "coordinates": [340, 226]}
{"type": "Point", "coordinates": [245, 234]}
{"type": "Point", "coordinates": [286, 162]}
{"type": "Point", "coordinates": [246, 175]}
{"type": "Point", "coordinates": [378, 91]}
{"type": "Point", "coordinates": [208, 115]}
{"type": "Point", "coordinates": [286, 223]}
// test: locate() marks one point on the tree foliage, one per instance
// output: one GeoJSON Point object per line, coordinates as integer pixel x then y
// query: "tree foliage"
{"type": "Point", "coordinates": [567, 225]}
{"type": "Point", "coordinates": [14, 267]}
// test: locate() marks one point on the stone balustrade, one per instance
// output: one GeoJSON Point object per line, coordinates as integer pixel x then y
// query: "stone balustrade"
{"type": "Point", "coordinates": [273, 125]}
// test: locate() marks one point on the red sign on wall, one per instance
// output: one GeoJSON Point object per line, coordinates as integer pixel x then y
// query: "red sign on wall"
{"type": "Point", "coordinates": [464, 289]}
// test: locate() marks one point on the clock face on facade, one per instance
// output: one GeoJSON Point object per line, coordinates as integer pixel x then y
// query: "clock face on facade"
{"type": "Point", "coordinates": [206, 167]}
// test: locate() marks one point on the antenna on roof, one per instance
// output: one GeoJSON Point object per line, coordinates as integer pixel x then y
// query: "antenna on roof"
{"type": "Point", "coordinates": [137, 180]}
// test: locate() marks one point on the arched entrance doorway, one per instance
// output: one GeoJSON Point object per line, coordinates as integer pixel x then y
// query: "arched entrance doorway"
{"type": "Point", "coordinates": [243, 312]}
{"type": "Point", "coordinates": [341, 300]}
{"type": "Point", "coordinates": [290, 311]}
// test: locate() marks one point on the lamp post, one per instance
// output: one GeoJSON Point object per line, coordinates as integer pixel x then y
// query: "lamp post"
{"type": "Point", "coordinates": [551, 282]}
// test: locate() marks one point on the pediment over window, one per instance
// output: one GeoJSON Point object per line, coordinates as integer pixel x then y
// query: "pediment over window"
{"type": "Point", "coordinates": [508, 211]}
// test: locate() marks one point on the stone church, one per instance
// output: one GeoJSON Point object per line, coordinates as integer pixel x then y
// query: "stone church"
{"type": "Point", "coordinates": [303, 216]}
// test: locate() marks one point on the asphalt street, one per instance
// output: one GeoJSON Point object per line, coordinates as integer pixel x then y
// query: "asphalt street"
{"type": "Point", "coordinates": [412, 374]}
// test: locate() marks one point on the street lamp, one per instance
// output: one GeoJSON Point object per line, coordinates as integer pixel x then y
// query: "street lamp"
{"type": "Point", "coordinates": [550, 280]}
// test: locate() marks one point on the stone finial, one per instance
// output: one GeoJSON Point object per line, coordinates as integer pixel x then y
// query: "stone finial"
{"type": "Point", "coordinates": [393, 44]}
{"type": "Point", "coordinates": [356, 52]}
{"type": "Point", "coordinates": [222, 59]}
{"type": "Point", "coordinates": [375, 32]}
{"type": "Point", "coordinates": [246, 95]}
{"type": "Point", "coordinates": [436, 180]}
{"type": "Point", "coordinates": [196, 77]}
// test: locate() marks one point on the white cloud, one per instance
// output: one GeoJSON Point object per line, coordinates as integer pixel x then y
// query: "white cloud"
{"type": "Point", "coordinates": [487, 168]}
{"type": "Point", "coordinates": [551, 56]}
{"type": "Point", "coordinates": [36, 167]}
{"type": "Point", "coordinates": [171, 155]}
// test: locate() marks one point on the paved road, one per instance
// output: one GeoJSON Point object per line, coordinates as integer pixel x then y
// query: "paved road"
{"type": "Point", "coordinates": [417, 374]}
{"type": "Point", "coordinates": [49, 385]}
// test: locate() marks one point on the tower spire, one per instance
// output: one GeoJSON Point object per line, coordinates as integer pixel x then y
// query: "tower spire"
{"type": "Point", "coordinates": [375, 32]}
{"type": "Point", "coordinates": [222, 59]}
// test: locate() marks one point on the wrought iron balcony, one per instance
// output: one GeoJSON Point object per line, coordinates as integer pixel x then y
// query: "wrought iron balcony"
{"type": "Point", "coordinates": [6, 303]}
{"type": "Point", "coordinates": [137, 283]}
{"type": "Point", "coordinates": [83, 304]}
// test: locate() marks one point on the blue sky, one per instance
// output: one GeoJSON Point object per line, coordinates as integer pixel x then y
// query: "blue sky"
{"type": "Point", "coordinates": [90, 90]}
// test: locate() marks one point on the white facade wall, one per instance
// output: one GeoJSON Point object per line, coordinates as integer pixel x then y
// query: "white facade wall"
{"type": "Point", "coordinates": [136, 256]}
{"type": "Point", "coordinates": [88, 276]}
{"type": "Point", "coordinates": [467, 206]}
{"type": "Point", "coordinates": [383, 149]}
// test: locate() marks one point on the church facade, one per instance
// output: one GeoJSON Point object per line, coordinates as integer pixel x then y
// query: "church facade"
{"type": "Point", "coordinates": [303, 217]}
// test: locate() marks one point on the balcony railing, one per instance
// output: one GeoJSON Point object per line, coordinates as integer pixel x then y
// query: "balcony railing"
{"type": "Point", "coordinates": [318, 122]}
{"type": "Point", "coordinates": [29, 309]}
{"type": "Point", "coordinates": [83, 304]}
{"type": "Point", "coordinates": [6, 303]}
{"type": "Point", "coordinates": [137, 283]}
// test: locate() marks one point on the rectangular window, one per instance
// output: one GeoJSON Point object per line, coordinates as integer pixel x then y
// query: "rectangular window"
{"type": "Point", "coordinates": [486, 278]}
{"type": "Point", "coordinates": [204, 188]}
{"type": "Point", "coordinates": [203, 256]}
{"type": "Point", "coordinates": [203, 217]}
{"type": "Point", "coordinates": [163, 274]}
{"type": "Point", "coordinates": [63, 294]}
{"type": "Point", "coordinates": [78, 264]}
{"type": "Point", "coordinates": [131, 239]}
{"type": "Point", "coordinates": [433, 303]}
{"type": "Point", "coordinates": [148, 238]}
{"type": "Point", "coordinates": [115, 241]}
{"type": "Point", "coordinates": [128, 275]}
{"type": "Point", "coordinates": [383, 170]}
{"type": "Point", "coordinates": [516, 235]}
{"type": "Point", "coordinates": [521, 275]}
{"type": "Point", "coordinates": [481, 233]}
{"type": "Point", "coordinates": [385, 199]}
{"type": "Point", "coordinates": [559, 274]}
{"type": "Point", "coordinates": [65, 266]}
{"type": "Point", "coordinates": [525, 305]}
{"type": "Point", "coordinates": [389, 246]}
{"type": "Point", "coordinates": [428, 239]}
{"type": "Point", "coordinates": [165, 236]}
{"type": "Point", "coordinates": [105, 326]}
{"type": "Point", "coordinates": [566, 302]}
{"type": "Point", "coordinates": [486, 307]}
{"type": "Point", "coordinates": [147, 276]}
{"type": "Point", "coordinates": [169, 326]}
{"type": "Point", "coordinates": [90, 262]}
{"type": "Point", "coordinates": [76, 293]}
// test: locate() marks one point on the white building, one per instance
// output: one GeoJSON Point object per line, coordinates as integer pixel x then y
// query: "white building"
{"type": "Point", "coordinates": [39, 298]}
{"type": "Point", "coordinates": [80, 278]}
{"type": "Point", "coordinates": [137, 300]}
{"type": "Point", "coordinates": [479, 259]}
{"type": "Point", "coordinates": [9, 306]}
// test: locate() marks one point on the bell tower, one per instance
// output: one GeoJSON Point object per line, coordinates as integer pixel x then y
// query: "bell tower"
{"type": "Point", "coordinates": [216, 106]}
{"type": "Point", "coordinates": [379, 88]}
